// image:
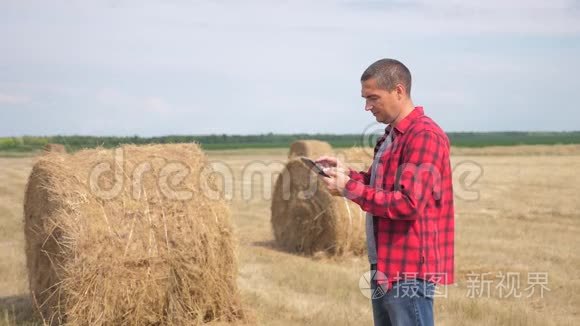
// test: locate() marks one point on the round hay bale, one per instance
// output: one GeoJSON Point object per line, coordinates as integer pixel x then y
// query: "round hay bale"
{"type": "Point", "coordinates": [129, 237]}
{"type": "Point", "coordinates": [57, 148]}
{"type": "Point", "coordinates": [306, 218]}
{"type": "Point", "coordinates": [309, 148]}
{"type": "Point", "coordinates": [357, 158]}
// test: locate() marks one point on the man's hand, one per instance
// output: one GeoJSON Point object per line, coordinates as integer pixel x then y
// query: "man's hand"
{"type": "Point", "coordinates": [337, 181]}
{"type": "Point", "coordinates": [329, 162]}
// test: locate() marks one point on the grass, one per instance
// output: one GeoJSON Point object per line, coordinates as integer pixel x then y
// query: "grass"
{"type": "Point", "coordinates": [527, 219]}
{"type": "Point", "coordinates": [29, 144]}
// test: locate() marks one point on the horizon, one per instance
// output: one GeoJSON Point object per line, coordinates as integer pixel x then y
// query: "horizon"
{"type": "Point", "coordinates": [287, 134]}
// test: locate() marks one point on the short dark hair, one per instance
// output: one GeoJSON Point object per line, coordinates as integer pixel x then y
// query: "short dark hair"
{"type": "Point", "coordinates": [388, 73]}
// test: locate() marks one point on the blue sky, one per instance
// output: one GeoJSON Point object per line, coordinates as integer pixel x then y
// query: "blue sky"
{"type": "Point", "coordinates": [144, 67]}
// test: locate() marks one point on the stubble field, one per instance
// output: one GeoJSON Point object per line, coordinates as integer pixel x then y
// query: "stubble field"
{"type": "Point", "coordinates": [516, 248]}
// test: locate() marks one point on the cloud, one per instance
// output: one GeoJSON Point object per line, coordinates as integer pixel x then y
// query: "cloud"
{"type": "Point", "coordinates": [39, 87]}
{"type": "Point", "coordinates": [156, 104]}
{"type": "Point", "coordinates": [111, 98]}
{"type": "Point", "coordinates": [8, 99]}
{"type": "Point", "coordinates": [454, 17]}
{"type": "Point", "coordinates": [155, 67]}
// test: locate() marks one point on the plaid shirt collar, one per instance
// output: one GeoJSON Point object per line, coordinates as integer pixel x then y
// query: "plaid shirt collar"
{"type": "Point", "coordinates": [404, 124]}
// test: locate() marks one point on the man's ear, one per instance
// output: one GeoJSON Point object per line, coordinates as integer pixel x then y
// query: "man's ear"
{"type": "Point", "coordinates": [400, 90]}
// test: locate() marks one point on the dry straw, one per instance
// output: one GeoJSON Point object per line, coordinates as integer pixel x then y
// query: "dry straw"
{"type": "Point", "coordinates": [139, 258]}
{"type": "Point", "coordinates": [307, 219]}
{"type": "Point", "coordinates": [309, 148]}
{"type": "Point", "coordinates": [58, 148]}
{"type": "Point", "coordinates": [519, 150]}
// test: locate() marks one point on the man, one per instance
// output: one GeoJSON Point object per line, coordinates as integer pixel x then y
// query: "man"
{"type": "Point", "coordinates": [408, 196]}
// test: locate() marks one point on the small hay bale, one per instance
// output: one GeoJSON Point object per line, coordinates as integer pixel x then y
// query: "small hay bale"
{"type": "Point", "coordinates": [307, 219]}
{"type": "Point", "coordinates": [357, 158]}
{"type": "Point", "coordinates": [309, 148]}
{"type": "Point", "coordinates": [128, 237]}
{"type": "Point", "coordinates": [57, 148]}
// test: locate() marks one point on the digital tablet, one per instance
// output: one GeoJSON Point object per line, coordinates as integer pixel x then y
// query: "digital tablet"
{"type": "Point", "coordinates": [314, 166]}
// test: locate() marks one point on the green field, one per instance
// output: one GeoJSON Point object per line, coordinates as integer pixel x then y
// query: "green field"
{"type": "Point", "coordinates": [459, 139]}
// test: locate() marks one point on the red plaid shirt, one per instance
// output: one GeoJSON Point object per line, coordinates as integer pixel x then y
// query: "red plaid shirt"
{"type": "Point", "coordinates": [411, 202]}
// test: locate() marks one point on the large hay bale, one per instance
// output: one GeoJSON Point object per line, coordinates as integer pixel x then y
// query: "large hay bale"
{"type": "Point", "coordinates": [129, 237]}
{"type": "Point", "coordinates": [307, 219]}
{"type": "Point", "coordinates": [357, 158]}
{"type": "Point", "coordinates": [58, 148]}
{"type": "Point", "coordinates": [309, 148]}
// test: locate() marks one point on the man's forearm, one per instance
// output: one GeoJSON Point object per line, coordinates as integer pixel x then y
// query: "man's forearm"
{"type": "Point", "coordinates": [359, 176]}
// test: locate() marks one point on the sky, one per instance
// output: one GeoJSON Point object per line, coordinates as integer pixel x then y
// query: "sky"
{"type": "Point", "coordinates": [151, 68]}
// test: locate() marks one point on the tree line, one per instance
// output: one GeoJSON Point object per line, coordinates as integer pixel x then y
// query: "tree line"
{"type": "Point", "coordinates": [270, 140]}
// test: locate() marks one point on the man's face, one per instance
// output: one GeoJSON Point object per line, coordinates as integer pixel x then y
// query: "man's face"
{"type": "Point", "coordinates": [383, 104]}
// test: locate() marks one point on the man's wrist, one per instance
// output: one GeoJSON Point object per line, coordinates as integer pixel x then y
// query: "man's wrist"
{"type": "Point", "coordinates": [345, 191]}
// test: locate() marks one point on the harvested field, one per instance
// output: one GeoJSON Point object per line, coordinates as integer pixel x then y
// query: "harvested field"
{"type": "Point", "coordinates": [521, 217]}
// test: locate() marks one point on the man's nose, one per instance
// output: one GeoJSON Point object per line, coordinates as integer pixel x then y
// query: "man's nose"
{"type": "Point", "coordinates": [368, 107]}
